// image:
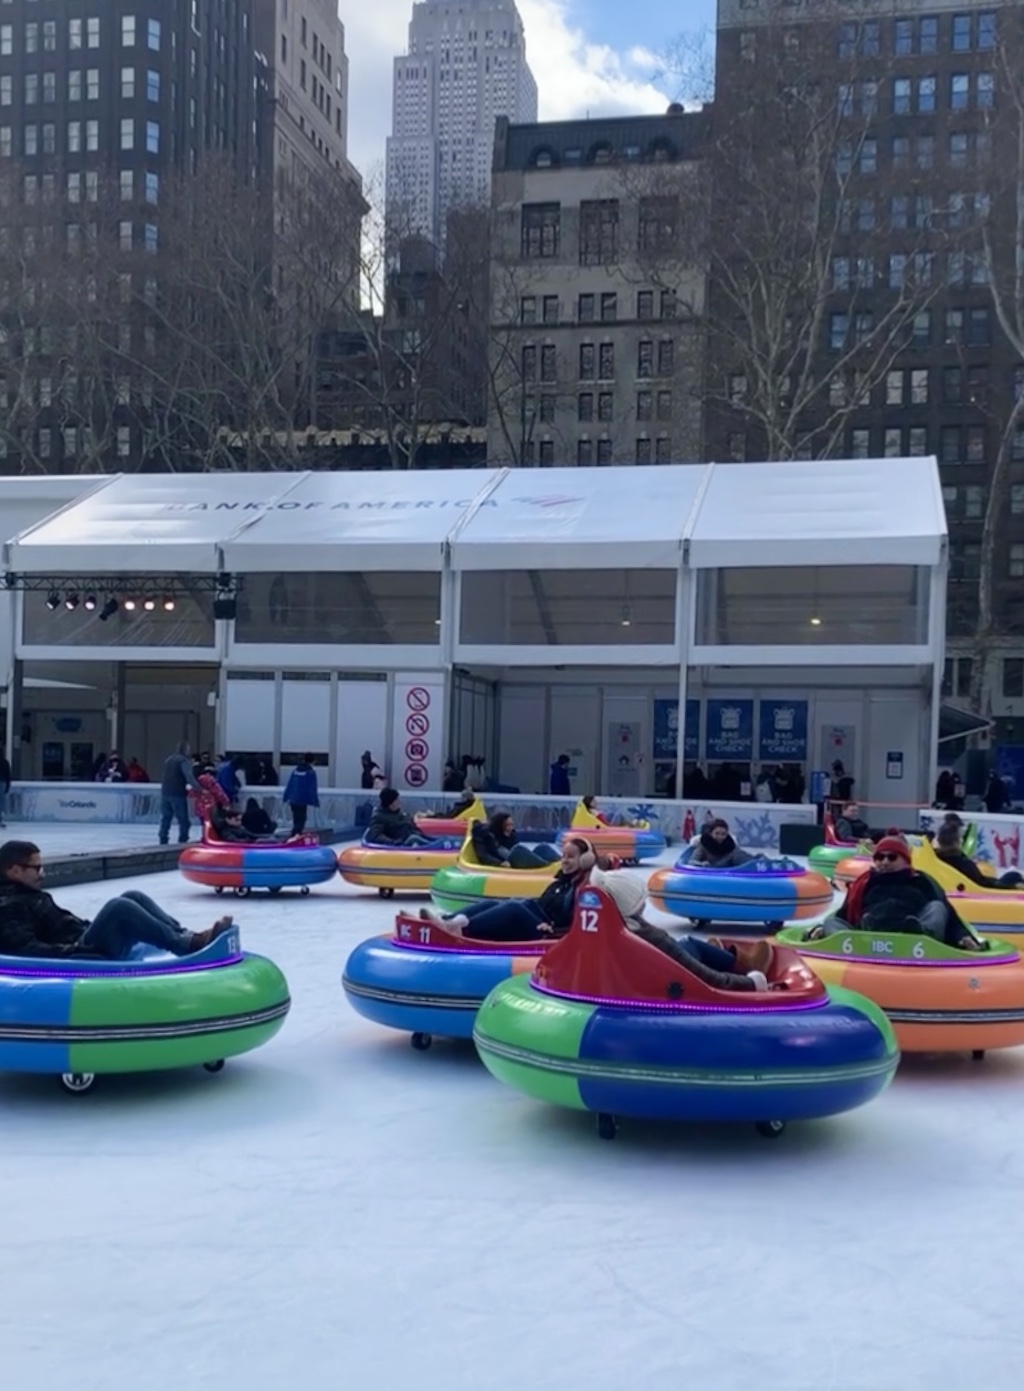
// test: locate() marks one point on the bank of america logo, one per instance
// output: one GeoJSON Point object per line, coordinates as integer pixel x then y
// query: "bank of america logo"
{"type": "Point", "coordinates": [551, 500]}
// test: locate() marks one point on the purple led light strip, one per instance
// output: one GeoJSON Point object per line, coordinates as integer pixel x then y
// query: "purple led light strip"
{"type": "Point", "coordinates": [672, 1007]}
{"type": "Point", "coordinates": [118, 974]}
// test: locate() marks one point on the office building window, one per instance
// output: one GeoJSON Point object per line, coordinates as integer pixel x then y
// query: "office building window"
{"type": "Point", "coordinates": [128, 31]}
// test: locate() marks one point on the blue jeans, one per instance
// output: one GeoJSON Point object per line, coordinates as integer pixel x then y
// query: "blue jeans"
{"type": "Point", "coordinates": [171, 808]}
{"type": "Point", "coordinates": [514, 920]}
{"type": "Point", "coordinates": [717, 958]}
{"type": "Point", "coordinates": [523, 857]}
{"type": "Point", "coordinates": [132, 918]}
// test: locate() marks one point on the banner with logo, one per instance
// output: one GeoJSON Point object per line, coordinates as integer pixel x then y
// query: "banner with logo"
{"type": "Point", "coordinates": [730, 730]}
{"type": "Point", "coordinates": [666, 730]}
{"type": "Point", "coordinates": [782, 731]}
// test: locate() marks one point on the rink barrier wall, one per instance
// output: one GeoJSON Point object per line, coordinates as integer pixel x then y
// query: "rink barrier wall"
{"type": "Point", "coordinates": [346, 811]}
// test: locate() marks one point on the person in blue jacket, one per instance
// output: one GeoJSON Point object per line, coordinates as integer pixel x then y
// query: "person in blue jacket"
{"type": "Point", "coordinates": [558, 785]}
{"type": "Point", "coordinates": [302, 793]}
{"type": "Point", "coordinates": [227, 777]}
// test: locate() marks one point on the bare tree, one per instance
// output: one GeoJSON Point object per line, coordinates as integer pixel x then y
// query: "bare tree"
{"type": "Point", "coordinates": [808, 308]}
{"type": "Point", "coordinates": [998, 245]}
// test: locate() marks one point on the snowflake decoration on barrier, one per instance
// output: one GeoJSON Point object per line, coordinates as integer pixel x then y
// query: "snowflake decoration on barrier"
{"type": "Point", "coordinates": [759, 833]}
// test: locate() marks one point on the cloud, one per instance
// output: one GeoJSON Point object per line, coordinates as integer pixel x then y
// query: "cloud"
{"type": "Point", "coordinates": [574, 76]}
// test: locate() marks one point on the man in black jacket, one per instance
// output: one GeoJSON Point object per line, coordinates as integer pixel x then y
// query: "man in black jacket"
{"type": "Point", "coordinates": [31, 924]}
{"type": "Point", "coordinates": [949, 849]}
{"type": "Point", "coordinates": [389, 824]}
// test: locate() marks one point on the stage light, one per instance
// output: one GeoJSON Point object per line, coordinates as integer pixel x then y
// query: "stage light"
{"type": "Point", "coordinates": [109, 609]}
{"type": "Point", "coordinates": [149, 605]}
{"type": "Point", "coordinates": [53, 600]}
{"type": "Point", "coordinates": [130, 605]}
{"type": "Point", "coordinates": [89, 602]}
{"type": "Point", "coordinates": [71, 602]}
{"type": "Point", "coordinates": [169, 604]}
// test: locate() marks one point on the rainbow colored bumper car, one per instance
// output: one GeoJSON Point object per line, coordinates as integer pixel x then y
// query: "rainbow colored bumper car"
{"type": "Point", "coordinates": [387, 868]}
{"type": "Point", "coordinates": [765, 891]}
{"type": "Point", "coordinates": [630, 844]}
{"type": "Point", "coordinates": [425, 981]}
{"type": "Point", "coordinates": [77, 1018]}
{"type": "Point", "coordinates": [288, 864]}
{"type": "Point", "coordinates": [939, 999]}
{"type": "Point", "coordinates": [607, 1023]}
{"type": "Point", "coordinates": [458, 886]}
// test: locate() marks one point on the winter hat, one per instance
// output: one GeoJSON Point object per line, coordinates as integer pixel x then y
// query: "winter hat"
{"type": "Point", "coordinates": [892, 843]}
{"type": "Point", "coordinates": [627, 892]}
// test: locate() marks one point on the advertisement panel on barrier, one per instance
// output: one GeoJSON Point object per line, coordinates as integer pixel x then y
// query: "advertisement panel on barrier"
{"type": "Point", "coordinates": [666, 730]}
{"type": "Point", "coordinates": [782, 731]}
{"type": "Point", "coordinates": [730, 729]}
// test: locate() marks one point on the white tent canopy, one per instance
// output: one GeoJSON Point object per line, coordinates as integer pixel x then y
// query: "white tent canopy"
{"type": "Point", "coordinates": [575, 518]}
{"type": "Point", "coordinates": [860, 512]}
{"type": "Point", "coordinates": [804, 512]}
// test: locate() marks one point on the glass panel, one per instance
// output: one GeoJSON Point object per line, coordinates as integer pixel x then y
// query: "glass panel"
{"type": "Point", "coordinates": [834, 605]}
{"type": "Point", "coordinates": [188, 624]}
{"type": "Point", "coordinates": [559, 608]}
{"type": "Point", "coordinates": [377, 608]}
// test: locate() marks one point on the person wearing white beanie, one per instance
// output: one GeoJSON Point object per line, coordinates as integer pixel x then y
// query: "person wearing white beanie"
{"type": "Point", "coordinates": [741, 967]}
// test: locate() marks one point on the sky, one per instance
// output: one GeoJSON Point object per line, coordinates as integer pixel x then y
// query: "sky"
{"type": "Point", "coordinates": [596, 56]}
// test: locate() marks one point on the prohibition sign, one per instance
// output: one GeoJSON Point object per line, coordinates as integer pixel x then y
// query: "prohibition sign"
{"type": "Point", "coordinates": [416, 723]}
{"type": "Point", "coordinates": [415, 775]}
{"type": "Point", "coordinates": [418, 698]}
{"type": "Point", "coordinates": [417, 750]}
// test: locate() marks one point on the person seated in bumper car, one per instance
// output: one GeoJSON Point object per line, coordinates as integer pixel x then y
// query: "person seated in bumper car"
{"type": "Point", "coordinates": [949, 849]}
{"type": "Point", "coordinates": [526, 919]}
{"type": "Point", "coordinates": [31, 924]}
{"type": "Point", "coordinates": [850, 825]}
{"type": "Point", "coordinates": [742, 967]}
{"type": "Point", "coordinates": [894, 897]}
{"type": "Point", "coordinates": [495, 844]}
{"type": "Point", "coordinates": [389, 824]}
{"type": "Point", "coordinates": [716, 848]}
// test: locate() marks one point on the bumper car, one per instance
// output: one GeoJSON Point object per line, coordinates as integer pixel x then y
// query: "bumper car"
{"type": "Point", "coordinates": [989, 910]}
{"type": "Point", "coordinates": [389, 867]}
{"type": "Point", "coordinates": [630, 844]}
{"type": "Point", "coordinates": [467, 881]}
{"type": "Point", "coordinates": [769, 892]}
{"type": "Point", "coordinates": [824, 859]}
{"type": "Point", "coordinates": [609, 1024]}
{"type": "Point", "coordinates": [939, 999]}
{"type": "Point", "coordinates": [425, 981]}
{"type": "Point", "coordinates": [289, 864]}
{"type": "Point", "coordinates": [77, 1019]}
{"type": "Point", "coordinates": [447, 827]}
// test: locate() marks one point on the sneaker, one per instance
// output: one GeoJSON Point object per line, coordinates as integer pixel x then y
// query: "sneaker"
{"type": "Point", "coordinates": [759, 978]}
{"type": "Point", "coordinates": [430, 915]}
{"type": "Point", "coordinates": [457, 924]}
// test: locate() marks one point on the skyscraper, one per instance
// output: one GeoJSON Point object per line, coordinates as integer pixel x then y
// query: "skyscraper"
{"type": "Point", "coordinates": [466, 66]}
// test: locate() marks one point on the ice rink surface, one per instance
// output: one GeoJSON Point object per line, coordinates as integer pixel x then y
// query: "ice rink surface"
{"type": "Point", "coordinates": [339, 1211]}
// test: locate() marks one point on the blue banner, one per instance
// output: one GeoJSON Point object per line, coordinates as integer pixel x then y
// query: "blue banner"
{"type": "Point", "coordinates": [782, 732]}
{"type": "Point", "coordinates": [730, 733]}
{"type": "Point", "coordinates": [666, 729]}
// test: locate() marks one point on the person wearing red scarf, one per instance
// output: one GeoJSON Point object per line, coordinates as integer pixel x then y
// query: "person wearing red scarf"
{"type": "Point", "coordinates": [894, 897]}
